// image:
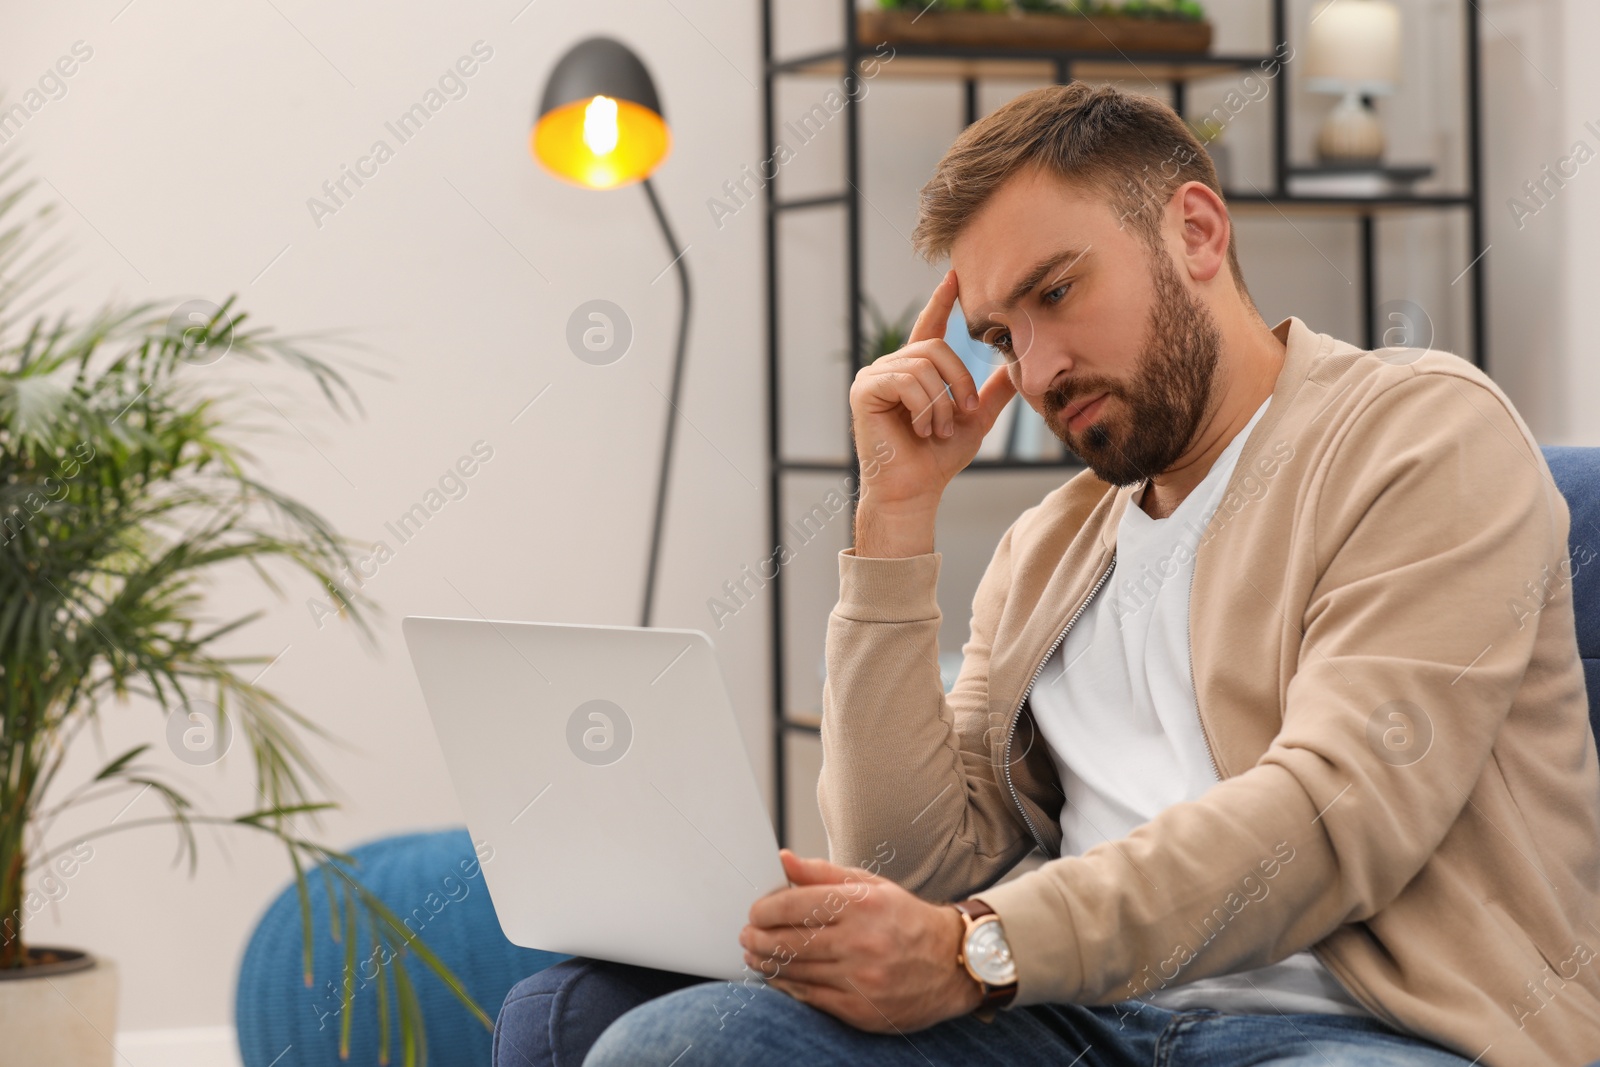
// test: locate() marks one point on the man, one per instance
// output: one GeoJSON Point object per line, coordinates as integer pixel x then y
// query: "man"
{"type": "Point", "coordinates": [1284, 688]}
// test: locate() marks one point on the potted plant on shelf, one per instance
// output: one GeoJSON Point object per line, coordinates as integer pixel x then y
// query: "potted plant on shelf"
{"type": "Point", "coordinates": [122, 491]}
{"type": "Point", "coordinates": [1144, 26]}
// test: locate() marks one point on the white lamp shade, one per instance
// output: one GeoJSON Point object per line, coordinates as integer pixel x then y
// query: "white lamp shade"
{"type": "Point", "coordinates": [1353, 45]}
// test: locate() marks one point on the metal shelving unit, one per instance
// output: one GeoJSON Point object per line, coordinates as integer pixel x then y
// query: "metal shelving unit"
{"type": "Point", "coordinates": [970, 65]}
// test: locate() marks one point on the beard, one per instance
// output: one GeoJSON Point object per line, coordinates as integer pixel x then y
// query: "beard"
{"type": "Point", "coordinates": [1166, 398]}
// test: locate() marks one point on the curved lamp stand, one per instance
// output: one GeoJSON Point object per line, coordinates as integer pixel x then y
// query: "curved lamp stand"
{"type": "Point", "coordinates": [672, 403]}
{"type": "Point", "coordinates": [600, 125]}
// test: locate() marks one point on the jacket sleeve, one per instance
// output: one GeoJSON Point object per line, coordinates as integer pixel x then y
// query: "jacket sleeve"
{"type": "Point", "coordinates": [906, 771]}
{"type": "Point", "coordinates": [1426, 514]}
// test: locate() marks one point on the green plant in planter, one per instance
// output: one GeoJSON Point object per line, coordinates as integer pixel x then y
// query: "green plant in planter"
{"type": "Point", "coordinates": [964, 5]}
{"type": "Point", "coordinates": [1188, 10]}
{"type": "Point", "coordinates": [1162, 9]}
{"type": "Point", "coordinates": [948, 5]}
{"type": "Point", "coordinates": [122, 491]}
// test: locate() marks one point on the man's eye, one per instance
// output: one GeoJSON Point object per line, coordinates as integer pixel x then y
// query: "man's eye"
{"type": "Point", "coordinates": [1002, 343]}
{"type": "Point", "coordinates": [1062, 289]}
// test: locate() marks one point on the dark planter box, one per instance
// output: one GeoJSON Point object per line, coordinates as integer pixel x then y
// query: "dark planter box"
{"type": "Point", "coordinates": [1067, 33]}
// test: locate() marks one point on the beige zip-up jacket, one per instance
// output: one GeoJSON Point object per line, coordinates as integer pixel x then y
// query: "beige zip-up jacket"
{"type": "Point", "coordinates": [1387, 674]}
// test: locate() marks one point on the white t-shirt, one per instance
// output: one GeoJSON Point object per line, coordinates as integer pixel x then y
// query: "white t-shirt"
{"type": "Point", "coordinates": [1115, 702]}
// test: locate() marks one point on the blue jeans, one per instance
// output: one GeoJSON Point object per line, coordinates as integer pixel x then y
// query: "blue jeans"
{"type": "Point", "coordinates": [612, 1015]}
{"type": "Point", "coordinates": [552, 1018]}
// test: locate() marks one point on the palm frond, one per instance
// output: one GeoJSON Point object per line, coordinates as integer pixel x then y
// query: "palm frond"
{"type": "Point", "coordinates": [124, 491]}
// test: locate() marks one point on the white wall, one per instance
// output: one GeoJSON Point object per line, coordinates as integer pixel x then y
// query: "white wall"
{"type": "Point", "coordinates": [1532, 90]}
{"type": "Point", "coordinates": [1578, 99]}
{"type": "Point", "coordinates": [188, 146]}
{"type": "Point", "coordinates": [190, 143]}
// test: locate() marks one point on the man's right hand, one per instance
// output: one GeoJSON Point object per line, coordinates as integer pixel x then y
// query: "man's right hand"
{"type": "Point", "coordinates": [900, 409]}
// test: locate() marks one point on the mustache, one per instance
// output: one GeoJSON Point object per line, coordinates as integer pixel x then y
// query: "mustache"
{"type": "Point", "coordinates": [1057, 398]}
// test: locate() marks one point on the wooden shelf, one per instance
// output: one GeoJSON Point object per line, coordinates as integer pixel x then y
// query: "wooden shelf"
{"type": "Point", "coordinates": [1265, 202]}
{"type": "Point", "coordinates": [922, 49]}
{"type": "Point", "coordinates": [1343, 206]}
{"type": "Point", "coordinates": [1003, 32]}
{"type": "Point", "coordinates": [928, 61]}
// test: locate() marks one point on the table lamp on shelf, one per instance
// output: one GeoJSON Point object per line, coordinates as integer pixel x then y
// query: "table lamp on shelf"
{"type": "Point", "coordinates": [1353, 50]}
{"type": "Point", "coordinates": [600, 125]}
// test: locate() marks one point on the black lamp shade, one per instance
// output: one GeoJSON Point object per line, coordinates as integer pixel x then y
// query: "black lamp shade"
{"type": "Point", "coordinates": [599, 66]}
{"type": "Point", "coordinates": [600, 123]}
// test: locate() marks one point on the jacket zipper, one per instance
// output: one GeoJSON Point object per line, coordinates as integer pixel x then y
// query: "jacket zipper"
{"type": "Point", "coordinates": [1194, 685]}
{"type": "Point", "coordinates": [1016, 713]}
{"type": "Point", "coordinates": [1016, 798]}
{"type": "Point", "coordinates": [1377, 1010]}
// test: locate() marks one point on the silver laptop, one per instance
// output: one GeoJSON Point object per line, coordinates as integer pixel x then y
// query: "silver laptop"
{"type": "Point", "coordinates": [603, 766]}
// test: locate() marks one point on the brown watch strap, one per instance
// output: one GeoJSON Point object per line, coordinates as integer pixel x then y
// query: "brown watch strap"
{"type": "Point", "coordinates": [975, 908]}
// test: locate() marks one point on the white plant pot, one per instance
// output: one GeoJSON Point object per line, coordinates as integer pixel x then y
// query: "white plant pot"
{"type": "Point", "coordinates": [60, 1015]}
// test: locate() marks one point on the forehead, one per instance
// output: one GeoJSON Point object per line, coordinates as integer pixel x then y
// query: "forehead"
{"type": "Point", "coordinates": [1032, 217]}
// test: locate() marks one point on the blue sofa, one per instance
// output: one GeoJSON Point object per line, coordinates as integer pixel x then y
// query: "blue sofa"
{"type": "Point", "coordinates": [1577, 473]}
{"type": "Point", "coordinates": [275, 1010]}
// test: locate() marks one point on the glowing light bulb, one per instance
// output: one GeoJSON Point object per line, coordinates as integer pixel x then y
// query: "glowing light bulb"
{"type": "Point", "coordinates": [600, 125]}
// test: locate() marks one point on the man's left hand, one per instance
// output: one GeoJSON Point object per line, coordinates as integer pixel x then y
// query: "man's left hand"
{"type": "Point", "coordinates": [859, 947]}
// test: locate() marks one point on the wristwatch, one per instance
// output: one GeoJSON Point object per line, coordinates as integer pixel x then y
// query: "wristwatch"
{"type": "Point", "coordinates": [986, 955]}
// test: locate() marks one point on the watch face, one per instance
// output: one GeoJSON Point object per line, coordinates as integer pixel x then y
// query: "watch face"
{"type": "Point", "coordinates": [989, 954]}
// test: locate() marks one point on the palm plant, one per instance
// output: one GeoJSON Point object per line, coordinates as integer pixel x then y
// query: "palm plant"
{"type": "Point", "coordinates": [122, 492]}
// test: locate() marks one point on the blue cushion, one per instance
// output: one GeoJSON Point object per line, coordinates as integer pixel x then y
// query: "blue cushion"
{"type": "Point", "coordinates": [430, 878]}
{"type": "Point", "coordinates": [1577, 474]}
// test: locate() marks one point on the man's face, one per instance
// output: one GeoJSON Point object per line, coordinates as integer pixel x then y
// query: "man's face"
{"type": "Point", "coordinates": [1100, 333]}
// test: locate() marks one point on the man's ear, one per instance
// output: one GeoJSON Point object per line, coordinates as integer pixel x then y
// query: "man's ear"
{"type": "Point", "coordinates": [1206, 229]}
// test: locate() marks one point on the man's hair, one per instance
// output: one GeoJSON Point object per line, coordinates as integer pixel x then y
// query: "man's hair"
{"type": "Point", "coordinates": [1130, 149]}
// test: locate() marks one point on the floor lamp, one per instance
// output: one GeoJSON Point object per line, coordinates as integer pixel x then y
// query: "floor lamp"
{"type": "Point", "coordinates": [600, 125]}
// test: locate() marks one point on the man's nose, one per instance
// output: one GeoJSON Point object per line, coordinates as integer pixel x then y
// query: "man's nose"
{"type": "Point", "coordinates": [1038, 368]}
